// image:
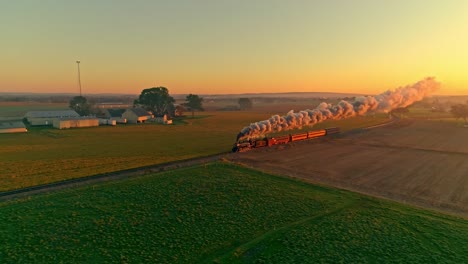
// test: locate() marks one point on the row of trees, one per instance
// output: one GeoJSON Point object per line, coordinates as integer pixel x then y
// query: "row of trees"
{"type": "Point", "coordinates": [156, 99]}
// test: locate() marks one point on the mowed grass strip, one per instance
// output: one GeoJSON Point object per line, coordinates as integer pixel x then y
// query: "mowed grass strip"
{"type": "Point", "coordinates": [45, 155]}
{"type": "Point", "coordinates": [223, 213]}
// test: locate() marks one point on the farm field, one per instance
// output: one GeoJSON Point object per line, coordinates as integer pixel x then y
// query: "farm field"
{"type": "Point", "coordinates": [45, 155]}
{"type": "Point", "coordinates": [18, 109]}
{"type": "Point", "coordinates": [415, 161]}
{"type": "Point", "coordinates": [223, 213]}
{"type": "Point", "coordinates": [426, 113]}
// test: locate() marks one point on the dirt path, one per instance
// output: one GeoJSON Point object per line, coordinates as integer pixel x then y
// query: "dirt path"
{"type": "Point", "coordinates": [423, 163]}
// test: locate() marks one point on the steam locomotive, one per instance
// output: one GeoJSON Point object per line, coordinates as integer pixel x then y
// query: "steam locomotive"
{"type": "Point", "coordinates": [242, 146]}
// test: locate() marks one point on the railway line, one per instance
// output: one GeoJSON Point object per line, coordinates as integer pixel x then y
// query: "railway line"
{"type": "Point", "coordinates": [124, 174]}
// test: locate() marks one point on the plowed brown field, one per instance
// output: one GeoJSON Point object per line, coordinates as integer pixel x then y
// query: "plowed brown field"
{"type": "Point", "coordinates": [424, 163]}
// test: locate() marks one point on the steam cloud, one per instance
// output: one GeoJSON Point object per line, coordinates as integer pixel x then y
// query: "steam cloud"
{"type": "Point", "coordinates": [384, 102]}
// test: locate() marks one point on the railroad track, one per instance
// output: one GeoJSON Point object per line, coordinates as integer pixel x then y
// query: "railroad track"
{"type": "Point", "coordinates": [111, 176]}
{"type": "Point", "coordinates": [128, 173]}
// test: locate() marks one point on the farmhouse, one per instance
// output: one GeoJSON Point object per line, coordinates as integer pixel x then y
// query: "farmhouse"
{"type": "Point", "coordinates": [136, 115]}
{"type": "Point", "coordinates": [12, 127]}
{"type": "Point", "coordinates": [46, 118]}
{"type": "Point", "coordinates": [74, 122]}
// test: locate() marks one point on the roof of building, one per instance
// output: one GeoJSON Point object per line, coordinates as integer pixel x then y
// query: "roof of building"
{"type": "Point", "coordinates": [15, 124]}
{"type": "Point", "coordinates": [49, 114]}
{"type": "Point", "coordinates": [140, 111]}
{"type": "Point", "coordinates": [116, 112]}
{"type": "Point", "coordinates": [77, 118]}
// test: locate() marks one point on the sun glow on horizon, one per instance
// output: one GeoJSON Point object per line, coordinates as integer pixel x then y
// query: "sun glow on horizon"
{"type": "Point", "coordinates": [222, 47]}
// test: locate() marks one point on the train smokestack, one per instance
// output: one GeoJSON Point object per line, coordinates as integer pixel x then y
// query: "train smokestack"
{"type": "Point", "coordinates": [239, 136]}
{"type": "Point", "coordinates": [384, 102]}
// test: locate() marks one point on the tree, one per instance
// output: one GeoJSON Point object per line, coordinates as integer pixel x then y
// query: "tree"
{"type": "Point", "coordinates": [156, 100]}
{"type": "Point", "coordinates": [245, 103]}
{"type": "Point", "coordinates": [460, 111]}
{"type": "Point", "coordinates": [179, 110]}
{"type": "Point", "coordinates": [80, 105]}
{"type": "Point", "coordinates": [194, 102]}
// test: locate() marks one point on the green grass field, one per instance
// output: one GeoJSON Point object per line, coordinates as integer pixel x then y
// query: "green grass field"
{"type": "Point", "coordinates": [45, 154]}
{"type": "Point", "coordinates": [223, 213]}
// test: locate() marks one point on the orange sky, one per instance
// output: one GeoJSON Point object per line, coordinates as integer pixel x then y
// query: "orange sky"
{"type": "Point", "coordinates": [212, 47]}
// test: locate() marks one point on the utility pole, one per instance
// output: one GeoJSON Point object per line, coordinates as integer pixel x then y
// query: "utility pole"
{"type": "Point", "coordinates": [79, 77]}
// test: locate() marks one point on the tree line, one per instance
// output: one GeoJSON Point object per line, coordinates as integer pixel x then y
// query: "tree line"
{"type": "Point", "coordinates": [155, 99]}
{"type": "Point", "coordinates": [158, 101]}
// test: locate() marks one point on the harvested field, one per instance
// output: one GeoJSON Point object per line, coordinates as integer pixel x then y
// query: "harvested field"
{"type": "Point", "coordinates": [419, 162]}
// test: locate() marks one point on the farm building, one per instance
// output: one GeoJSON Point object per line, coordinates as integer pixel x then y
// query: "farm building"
{"type": "Point", "coordinates": [136, 115]}
{"type": "Point", "coordinates": [46, 118]}
{"type": "Point", "coordinates": [108, 122]}
{"type": "Point", "coordinates": [163, 120]}
{"type": "Point", "coordinates": [12, 127]}
{"type": "Point", "coordinates": [113, 113]}
{"type": "Point", "coordinates": [116, 115]}
{"type": "Point", "coordinates": [74, 122]}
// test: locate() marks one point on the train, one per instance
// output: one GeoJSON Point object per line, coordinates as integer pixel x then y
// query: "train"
{"type": "Point", "coordinates": [242, 146]}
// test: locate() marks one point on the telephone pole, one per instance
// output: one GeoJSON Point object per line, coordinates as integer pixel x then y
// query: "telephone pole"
{"type": "Point", "coordinates": [79, 77]}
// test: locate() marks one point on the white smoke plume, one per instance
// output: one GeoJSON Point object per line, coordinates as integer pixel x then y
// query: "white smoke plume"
{"type": "Point", "coordinates": [384, 102]}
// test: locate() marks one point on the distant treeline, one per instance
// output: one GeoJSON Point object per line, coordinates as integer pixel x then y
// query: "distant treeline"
{"type": "Point", "coordinates": [48, 98]}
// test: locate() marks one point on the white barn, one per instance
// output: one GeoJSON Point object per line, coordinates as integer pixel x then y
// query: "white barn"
{"type": "Point", "coordinates": [46, 118]}
{"type": "Point", "coordinates": [12, 127]}
{"type": "Point", "coordinates": [63, 123]}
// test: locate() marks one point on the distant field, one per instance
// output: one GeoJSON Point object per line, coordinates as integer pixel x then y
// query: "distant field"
{"type": "Point", "coordinates": [45, 154]}
{"type": "Point", "coordinates": [223, 213]}
{"type": "Point", "coordinates": [18, 109]}
{"type": "Point", "coordinates": [427, 113]}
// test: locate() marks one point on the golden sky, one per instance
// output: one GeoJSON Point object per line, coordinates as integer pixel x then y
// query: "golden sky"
{"type": "Point", "coordinates": [219, 46]}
